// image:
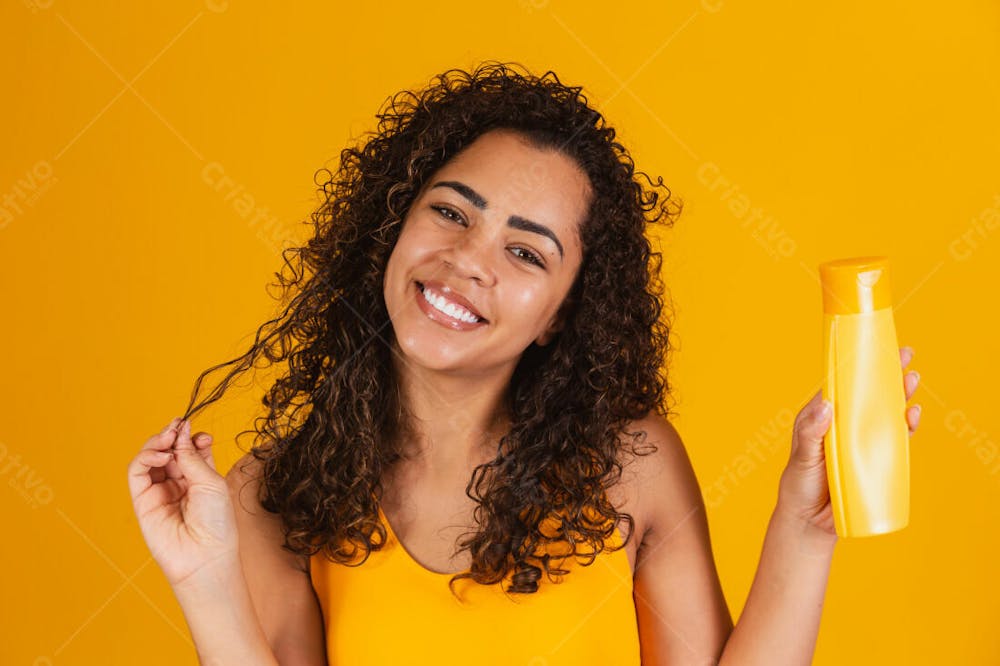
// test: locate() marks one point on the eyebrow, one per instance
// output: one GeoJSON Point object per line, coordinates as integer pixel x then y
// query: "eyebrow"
{"type": "Point", "coordinates": [514, 221]}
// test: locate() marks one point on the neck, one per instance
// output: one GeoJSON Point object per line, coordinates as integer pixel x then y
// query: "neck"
{"type": "Point", "coordinates": [454, 420]}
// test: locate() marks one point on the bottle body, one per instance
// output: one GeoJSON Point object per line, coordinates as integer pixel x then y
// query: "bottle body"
{"type": "Point", "coordinates": [867, 445]}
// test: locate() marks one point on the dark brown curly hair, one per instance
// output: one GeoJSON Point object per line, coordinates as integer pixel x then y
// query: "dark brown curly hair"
{"type": "Point", "coordinates": [334, 415]}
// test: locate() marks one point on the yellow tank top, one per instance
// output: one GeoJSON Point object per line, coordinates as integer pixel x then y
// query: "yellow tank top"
{"type": "Point", "coordinates": [392, 610]}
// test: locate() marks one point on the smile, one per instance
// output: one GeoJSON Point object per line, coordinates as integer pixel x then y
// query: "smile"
{"type": "Point", "coordinates": [440, 309]}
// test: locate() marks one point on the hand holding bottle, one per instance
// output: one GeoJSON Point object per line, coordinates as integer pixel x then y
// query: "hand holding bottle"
{"type": "Point", "coordinates": [182, 503]}
{"type": "Point", "coordinates": [804, 493]}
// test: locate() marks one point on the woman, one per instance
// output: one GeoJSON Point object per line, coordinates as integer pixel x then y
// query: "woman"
{"type": "Point", "coordinates": [475, 353]}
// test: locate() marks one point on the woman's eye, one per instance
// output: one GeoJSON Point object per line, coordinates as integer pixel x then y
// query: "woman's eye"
{"type": "Point", "coordinates": [448, 213]}
{"type": "Point", "coordinates": [530, 256]}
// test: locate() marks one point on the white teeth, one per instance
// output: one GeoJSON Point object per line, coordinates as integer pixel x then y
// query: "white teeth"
{"type": "Point", "coordinates": [450, 309]}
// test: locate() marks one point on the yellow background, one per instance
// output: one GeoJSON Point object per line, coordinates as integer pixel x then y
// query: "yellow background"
{"type": "Point", "coordinates": [865, 128]}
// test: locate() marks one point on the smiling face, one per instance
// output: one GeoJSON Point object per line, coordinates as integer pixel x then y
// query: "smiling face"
{"type": "Point", "coordinates": [493, 241]}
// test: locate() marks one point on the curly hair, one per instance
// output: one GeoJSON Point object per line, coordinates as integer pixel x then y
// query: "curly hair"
{"type": "Point", "coordinates": [335, 414]}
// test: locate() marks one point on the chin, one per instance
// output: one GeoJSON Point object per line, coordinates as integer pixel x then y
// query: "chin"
{"type": "Point", "coordinates": [421, 350]}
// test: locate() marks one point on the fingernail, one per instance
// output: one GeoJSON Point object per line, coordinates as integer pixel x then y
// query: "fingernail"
{"type": "Point", "coordinates": [917, 375]}
{"type": "Point", "coordinates": [824, 410]}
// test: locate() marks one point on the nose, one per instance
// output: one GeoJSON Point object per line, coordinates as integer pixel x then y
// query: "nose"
{"type": "Point", "coordinates": [471, 258]}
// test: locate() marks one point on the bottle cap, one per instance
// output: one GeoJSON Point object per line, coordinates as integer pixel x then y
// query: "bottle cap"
{"type": "Point", "coordinates": [856, 284]}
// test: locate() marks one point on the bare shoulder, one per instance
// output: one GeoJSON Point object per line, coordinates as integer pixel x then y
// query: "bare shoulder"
{"type": "Point", "coordinates": [258, 527]}
{"type": "Point", "coordinates": [677, 588]}
{"type": "Point", "coordinates": [661, 480]}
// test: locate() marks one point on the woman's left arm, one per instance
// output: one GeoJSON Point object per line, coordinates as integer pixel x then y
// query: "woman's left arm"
{"type": "Point", "coordinates": [682, 613]}
{"type": "Point", "coordinates": [780, 621]}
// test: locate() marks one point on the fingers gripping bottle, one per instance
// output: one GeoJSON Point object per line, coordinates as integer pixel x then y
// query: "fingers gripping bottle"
{"type": "Point", "coordinates": [867, 445]}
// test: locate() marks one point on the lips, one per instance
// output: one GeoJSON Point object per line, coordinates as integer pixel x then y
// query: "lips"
{"type": "Point", "coordinates": [451, 295]}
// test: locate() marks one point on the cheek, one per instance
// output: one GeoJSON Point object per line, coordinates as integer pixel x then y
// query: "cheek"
{"type": "Point", "coordinates": [526, 299]}
{"type": "Point", "coordinates": [412, 246]}
{"type": "Point", "coordinates": [402, 254]}
{"type": "Point", "coordinates": [394, 271]}
{"type": "Point", "coordinates": [530, 303]}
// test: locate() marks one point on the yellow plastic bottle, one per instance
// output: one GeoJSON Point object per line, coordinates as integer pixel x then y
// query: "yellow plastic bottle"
{"type": "Point", "coordinates": [867, 446]}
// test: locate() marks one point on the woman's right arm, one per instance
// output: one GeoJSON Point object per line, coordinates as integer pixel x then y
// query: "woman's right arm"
{"type": "Point", "coordinates": [245, 600]}
{"type": "Point", "coordinates": [278, 581]}
{"type": "Point", "coordinates": [221, 616]}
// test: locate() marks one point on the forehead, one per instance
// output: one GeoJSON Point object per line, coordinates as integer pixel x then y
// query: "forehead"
{"type": "Point", "coordinates": [516, 178]}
